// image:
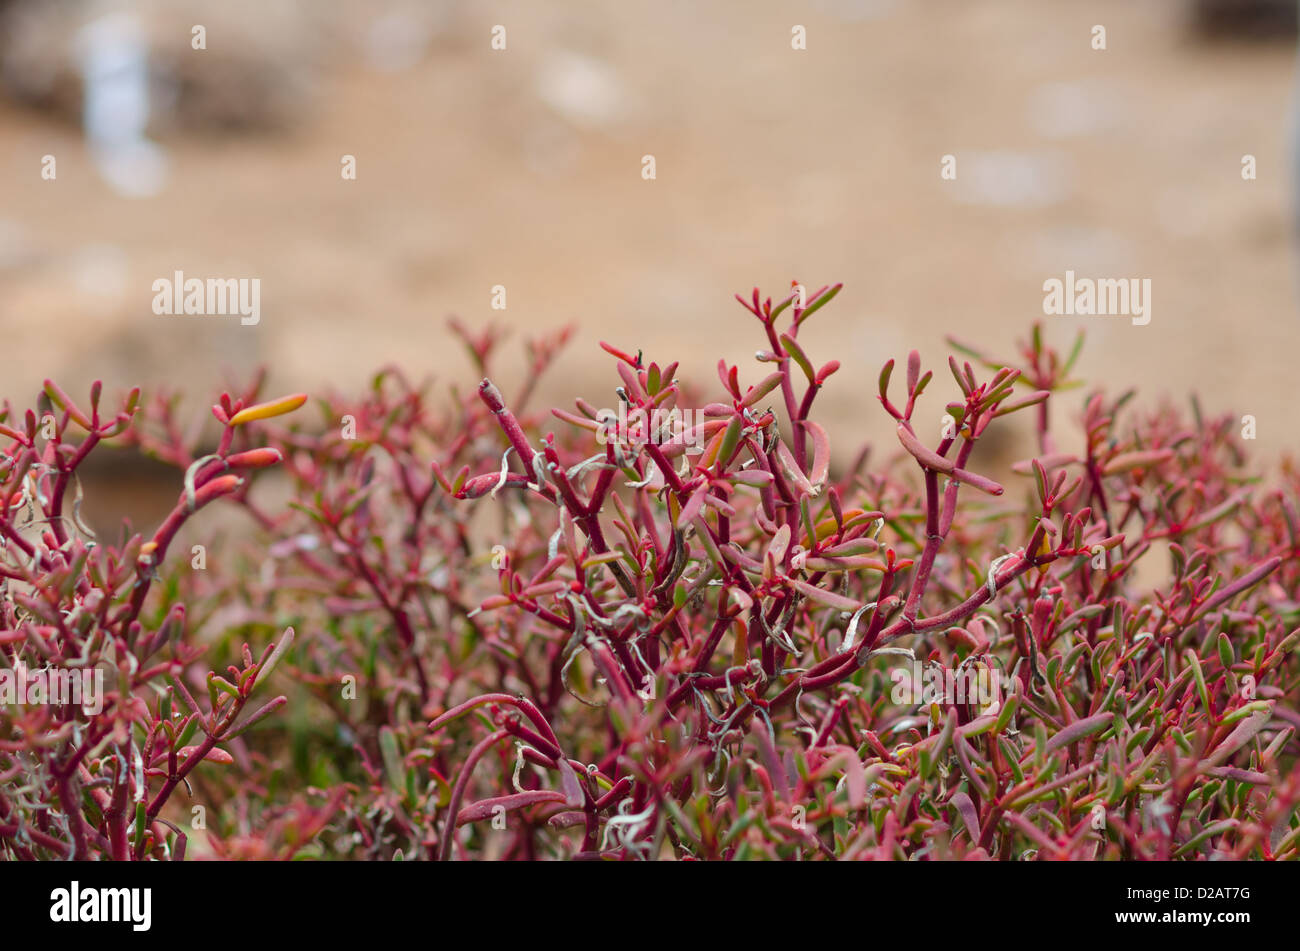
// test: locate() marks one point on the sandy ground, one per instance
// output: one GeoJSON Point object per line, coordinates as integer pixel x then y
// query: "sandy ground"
{"type": "Point", "coordinates": [522, 168]}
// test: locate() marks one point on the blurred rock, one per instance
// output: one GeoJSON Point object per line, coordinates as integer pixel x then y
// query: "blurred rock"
{"type": "Point", "coordinates": [1258, 19]}
{"type": "Point", "coordinates": [258, 69]}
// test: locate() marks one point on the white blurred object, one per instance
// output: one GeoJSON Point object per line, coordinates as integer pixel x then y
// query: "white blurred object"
{"type": "Point", "coordinates": [1067, 109]}
{"type": "Point", "coordinates": [1012, 179]}
{"type": "Point", "coordinates": [399, 38]}
{"type": "Point", "coordinates": [113, 56]}
{"type": "Point", "coordinates": [583, 90]}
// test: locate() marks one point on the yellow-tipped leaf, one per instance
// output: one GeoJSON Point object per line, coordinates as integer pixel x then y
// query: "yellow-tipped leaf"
{"type": "Point", "coordinates": [286, 404]}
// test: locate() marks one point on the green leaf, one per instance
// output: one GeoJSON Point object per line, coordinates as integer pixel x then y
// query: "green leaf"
{"type": "Point", "coordinates": [958, 375]}
{"type": "Point", "coordinates": [923, 383]}
{"type": "Point", "coordinates": [820, 301]}
{"type": "Point", "coordinates": [285, 643]}
{"type": "Point", "coordinates": [1074, 355]}
{"type": "Point", "coordinates": [393, 764]}
{"type": "Point", "coordinates": [791, 346]}
{"type": "Point", "coordinates": [222, 684]}
{"type": "Point", "coordinates": [187, 732]}
{"type": "Point", "coordinates": [1078, 730]}
{"type": "Point", "coordinates": [1213, 829]}
{"type": "Point", "coordinates": [780, 307]}
{"type": "Point", "coordinates": [1033, 399]}
{"type": "Point", "coordinates": [1226, 656]}
{"type": "Point", "coordinates": [141, 821]}
{"type": "Point", "coordinates": [730, 440]}
{"type": "Point", "coordinates": [929, 762]}
{"type": "Point", "coordinates": [1198, 675]}
{"type": "Point", "coordinates": [1007, 712]}
{"type": "Point", "coordinates": [1040, 480]}
{"type": "Point", "coordinates": [762, 388]}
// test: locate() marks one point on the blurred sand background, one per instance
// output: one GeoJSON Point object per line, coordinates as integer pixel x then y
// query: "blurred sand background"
{"type": "Point", "coordinates": [522, 168]}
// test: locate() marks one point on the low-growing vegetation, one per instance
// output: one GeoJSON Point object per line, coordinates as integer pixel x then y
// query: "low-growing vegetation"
{"type": "Point", "coordinates": [669, 628]}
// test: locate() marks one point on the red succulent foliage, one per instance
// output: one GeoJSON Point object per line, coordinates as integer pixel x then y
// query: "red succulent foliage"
{"type": "Point", "coordinates": [695, 636]}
